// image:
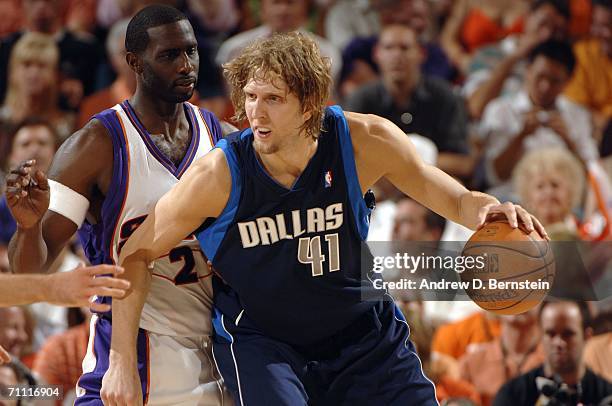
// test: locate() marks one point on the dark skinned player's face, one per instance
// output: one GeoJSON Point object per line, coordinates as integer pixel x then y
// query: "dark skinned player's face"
{"type": "Point", "coordinates": [171, 62]}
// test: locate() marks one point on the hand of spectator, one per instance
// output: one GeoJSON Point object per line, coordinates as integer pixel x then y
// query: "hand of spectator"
{"type": "Point", "coordinates": [531, 122]}
{"type": "Point", "coordinates": [77, 287]}
{"type": "Point", "coordinates": [27, 194]}
{"type": "Point", "coordinates": [526, 44]}
{"type": "Point", "coordinates": [557, 124]}
{"type": "Point", "coordinates": [4, 356]}
{"type": "Point", "coordinates": [121, 383]}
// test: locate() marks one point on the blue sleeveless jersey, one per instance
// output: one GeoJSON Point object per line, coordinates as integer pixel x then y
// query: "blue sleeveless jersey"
{"type": "Point", "coordinates": [290, 259]}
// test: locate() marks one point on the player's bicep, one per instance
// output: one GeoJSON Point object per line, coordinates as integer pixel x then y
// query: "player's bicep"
{"type": "Point", "coordinates": [202, 192]}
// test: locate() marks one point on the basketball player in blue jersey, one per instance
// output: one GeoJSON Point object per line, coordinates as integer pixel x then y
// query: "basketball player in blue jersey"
{"type": "Point", "coordinates": [104, 181]}
{"type": "Point", "coordinates": [292, 323]}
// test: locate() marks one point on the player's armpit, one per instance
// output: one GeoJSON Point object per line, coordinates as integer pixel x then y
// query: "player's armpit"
{"type": "Point", "coordinates": [202, 192]}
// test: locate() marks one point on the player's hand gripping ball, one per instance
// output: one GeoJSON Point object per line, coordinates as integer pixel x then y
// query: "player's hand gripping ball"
{"type": "Point", "coordinates": [518, 271]}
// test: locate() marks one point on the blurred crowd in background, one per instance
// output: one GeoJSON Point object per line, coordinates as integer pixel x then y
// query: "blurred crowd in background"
{"type": "Point", "coordinates": [511, 97]}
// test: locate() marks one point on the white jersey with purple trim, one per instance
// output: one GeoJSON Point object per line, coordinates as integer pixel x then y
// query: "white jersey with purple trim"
{"type": "Point", "coordinates": [180, 299]}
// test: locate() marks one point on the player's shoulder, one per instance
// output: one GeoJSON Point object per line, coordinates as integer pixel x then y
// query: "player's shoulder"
{"type": "Point", "coordinates": [92, 137]}
{"type": "Point", "coordinates": [367, 127]}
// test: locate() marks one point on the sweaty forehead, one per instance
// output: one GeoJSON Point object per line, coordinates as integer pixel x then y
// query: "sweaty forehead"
{"type": "Point", "coordinates": [174, 35]}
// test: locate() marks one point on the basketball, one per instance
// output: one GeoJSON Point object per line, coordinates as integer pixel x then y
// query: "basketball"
{"type": "Point", "coordinates": [517, 269]}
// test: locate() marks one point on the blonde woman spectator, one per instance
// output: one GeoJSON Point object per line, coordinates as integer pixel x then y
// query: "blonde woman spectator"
{"type": "Point", "coordinates": [550, 184]}
{"type": "Point", "coordinates": [33, 85]}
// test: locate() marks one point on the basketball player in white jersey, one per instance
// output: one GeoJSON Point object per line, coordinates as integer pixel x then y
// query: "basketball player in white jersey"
{"type": "Point", "coordinates": [103, 182]}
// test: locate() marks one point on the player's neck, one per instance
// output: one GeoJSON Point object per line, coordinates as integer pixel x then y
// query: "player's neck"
{"type": "Point", "coordinates": [287, 164]}
{"type": "Point", "coordinates": [157, 116]}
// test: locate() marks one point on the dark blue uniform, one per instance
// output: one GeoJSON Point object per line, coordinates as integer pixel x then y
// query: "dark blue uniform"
{"type": "Point", "coordinates": [291, 323]}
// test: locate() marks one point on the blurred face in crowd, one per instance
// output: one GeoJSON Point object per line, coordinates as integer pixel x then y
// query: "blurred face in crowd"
{"type": "Point", "coordinates": [284, 15]}
{"type": "Point", "coordinates": [33, 142]}
{"type": "Point", "coordinates": [410, 223]}
{"type": "Point", "coordinates": [411, 13]}
{"type": "Point", "coordinates": [549, 197]}
{"type": "Point", "coordinates": [546, 23]}
{"type": "Point", "coordinates": [42, 15]}
{"type": "Point", "coordinates": [563, 337]}
{"type": "Point", "coordinates": [601, 28]}
{"type": "Point", "coordinates": [120, 66]}
{"type": "Point", "coordinates": [13, 335]}
{"type": "Point", "coordinates": [169, 65]}
{"type": "Point", "coordinates": [8, 378]}
{"type": "Point", "coordinates": [35, 76]}
{"type": "Point", "coordinates": [545, 80]}
{"type": "Point", "coordinates": [398, 54]}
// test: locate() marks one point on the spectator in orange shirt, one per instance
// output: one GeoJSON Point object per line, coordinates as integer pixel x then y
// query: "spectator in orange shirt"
{"type": "Point", "coordinates": [59, 360]}
{"type": "Point", "coordinates": [453, 339]}
{"type": "Point", "coordinates": [591, 84]}
{"type": "Point", "coordinates": [489, 365]}
{"type": "Point", "coordinates": [122, 88]}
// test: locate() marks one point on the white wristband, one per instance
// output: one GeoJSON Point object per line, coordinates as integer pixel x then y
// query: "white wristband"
{"type": "Point", "coordinates": [67, 202]}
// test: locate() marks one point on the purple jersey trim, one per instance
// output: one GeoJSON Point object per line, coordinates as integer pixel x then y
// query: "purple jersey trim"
{"type": "Point", "coordinates": [214, 127]}
{"type": "Point", "coordinates": [92, 381]}
{"type": "Point", "coordinates": [97, 238]}
{"type": "Point", "coordinates": [146, 137]}
{"type": "Point", "coordinates": [193, 146]}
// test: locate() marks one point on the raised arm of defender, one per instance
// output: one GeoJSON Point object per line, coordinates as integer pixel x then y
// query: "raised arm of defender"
{"type": "Point", "coordinates": [84, 164]}
{"type": "Point", "coordinates": [383, 150]}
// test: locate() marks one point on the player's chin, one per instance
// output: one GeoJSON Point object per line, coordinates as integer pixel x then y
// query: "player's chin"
{"type": "Point", "coordinates": [183, 93]}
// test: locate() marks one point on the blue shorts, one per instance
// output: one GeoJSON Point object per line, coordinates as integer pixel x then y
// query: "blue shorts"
{"type": "Point", "coordinates": [371, 362]}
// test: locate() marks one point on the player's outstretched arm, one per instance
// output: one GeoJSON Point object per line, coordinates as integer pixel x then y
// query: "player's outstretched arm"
{"type": "Point", "coordinates": [202, 192]}
{"type": "Point", "coordinates": [375, 137]}
{"type": "Point", "coordinates": [81, 164]}
{"type": "Point", "coordinates": [70, 289]}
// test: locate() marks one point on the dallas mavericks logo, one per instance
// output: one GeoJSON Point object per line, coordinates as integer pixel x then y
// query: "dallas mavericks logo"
{"type": "Point", "coordinates": [328, 179]}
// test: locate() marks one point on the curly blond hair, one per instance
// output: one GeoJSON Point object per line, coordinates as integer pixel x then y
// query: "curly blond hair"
{"type": "Point", "coordinates": [292, 57]}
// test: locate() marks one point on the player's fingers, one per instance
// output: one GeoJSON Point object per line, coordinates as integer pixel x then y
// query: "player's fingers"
{"type": "Point", "coordinates": [510, 212]}
{"type": "Point", "coordinates": [105, 270]}
{"type": "Point", "coordinates": [540, 228]}
{"type": "Point", "coordinates": [13, 190]}
{"type": "Point", "coordinates": [99, 307]}
{"type": "Point", "coordinates": [103, 291]}
{"type": "Point", "coordinates": [525, 218]}
{"type": "Point", "coordinates": [16, 191]}
{"type": "Point", "coordinates": [24, 168]}
{"type": "Point", "coordinates": [41, 180]}
{"type": "Point", "coordinates": [483, 212]}
{"type": "Point", "coordinates": [110, 282]}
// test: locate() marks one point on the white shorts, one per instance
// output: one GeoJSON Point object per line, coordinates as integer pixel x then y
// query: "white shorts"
{"type": "Point", "coordinates": [173, 370]}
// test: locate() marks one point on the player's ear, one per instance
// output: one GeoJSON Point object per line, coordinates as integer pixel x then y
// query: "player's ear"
{"type": "Point", "coordinates": [307, 115]}
{"type": "Point", "coordinates": [134, 62]}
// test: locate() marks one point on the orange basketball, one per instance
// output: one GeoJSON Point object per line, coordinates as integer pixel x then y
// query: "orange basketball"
{"type": "Point", "coordinates": [518, 268]}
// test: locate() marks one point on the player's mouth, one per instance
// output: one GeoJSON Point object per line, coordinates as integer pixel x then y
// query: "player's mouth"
{"type": "Point", "coordinates": [262, 132]}
{"type": "Point", "coordinates": [188, 83]}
